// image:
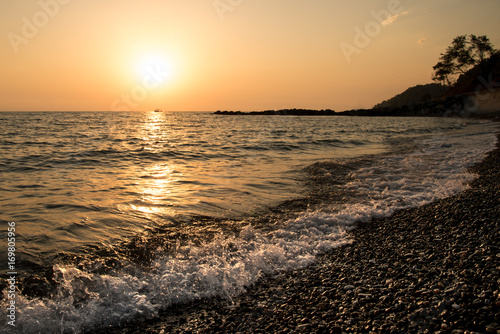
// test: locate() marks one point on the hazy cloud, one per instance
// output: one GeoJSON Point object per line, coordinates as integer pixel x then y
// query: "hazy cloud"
{"type": "Point", "coordinates": [393, 18]}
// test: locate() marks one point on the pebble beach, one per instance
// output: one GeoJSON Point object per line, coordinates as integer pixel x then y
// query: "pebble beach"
{"type": "Point", "coordinates": [431, 269]}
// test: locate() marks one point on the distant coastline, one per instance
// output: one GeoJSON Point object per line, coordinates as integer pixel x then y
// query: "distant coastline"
{"type": "Point", "coordinates": [463, 105]}
{"type": "Point", "coordinates": [475, 94]}
{"type": "Point", "coordinates": [282, 112]}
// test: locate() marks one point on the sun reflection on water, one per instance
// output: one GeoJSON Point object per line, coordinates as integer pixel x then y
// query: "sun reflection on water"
{"type": "Point", "coordinates": [157, 182]}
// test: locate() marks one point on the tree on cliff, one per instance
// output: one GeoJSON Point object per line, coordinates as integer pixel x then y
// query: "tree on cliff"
{"type": "Point", "coordinates": [464, 53]}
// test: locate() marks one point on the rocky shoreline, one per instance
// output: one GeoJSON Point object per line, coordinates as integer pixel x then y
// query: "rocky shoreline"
{"type": "Point", "coordinates": [430, 269]}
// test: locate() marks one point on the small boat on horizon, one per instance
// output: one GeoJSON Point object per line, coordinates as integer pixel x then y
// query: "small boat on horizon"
{"type": "Point", "coordinates": [158, 110]}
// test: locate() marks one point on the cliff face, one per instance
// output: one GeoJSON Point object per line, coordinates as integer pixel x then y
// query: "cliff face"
{"type": "Point", "coordinates": [414, 95]}
{"type": "Point", "coordinates": [482, 85]}
{"type": "Point", "coordinates": [477, 92]}
{"type": "Point", "coordinates": [484, 77]}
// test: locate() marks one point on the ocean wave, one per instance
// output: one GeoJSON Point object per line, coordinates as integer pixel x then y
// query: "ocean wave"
{"type": "Point", "coordinates": [205, 258]}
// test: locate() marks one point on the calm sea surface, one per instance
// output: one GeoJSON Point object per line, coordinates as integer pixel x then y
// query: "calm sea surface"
{"type": "Point", "coordinates": [131, 213]}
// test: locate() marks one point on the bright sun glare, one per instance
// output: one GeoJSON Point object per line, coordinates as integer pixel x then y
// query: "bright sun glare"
{"type": "Point", "coordinates": [155, 68]}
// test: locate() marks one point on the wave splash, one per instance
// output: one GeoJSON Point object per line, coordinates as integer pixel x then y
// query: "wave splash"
{"type": "Point", "coordinates": [224, 264]}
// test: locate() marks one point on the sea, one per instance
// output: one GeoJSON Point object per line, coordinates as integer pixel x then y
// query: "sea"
{"type": "Point", "coordinates": [111, 217]}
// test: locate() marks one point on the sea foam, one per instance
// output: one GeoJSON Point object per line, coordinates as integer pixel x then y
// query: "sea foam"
{"type": "Point", "coordinates": [225, 265]}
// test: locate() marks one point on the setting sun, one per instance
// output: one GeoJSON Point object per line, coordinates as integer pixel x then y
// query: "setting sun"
{"type": "Point", "coordinates": [155, 68]}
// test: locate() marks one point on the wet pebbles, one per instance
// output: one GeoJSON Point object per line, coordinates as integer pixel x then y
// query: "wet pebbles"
{"type": "Point", "coordinates": [430, 269]}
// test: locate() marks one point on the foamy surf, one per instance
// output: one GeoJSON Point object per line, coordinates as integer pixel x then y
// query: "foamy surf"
{"type": "Point", "coordinates": [226, 264]}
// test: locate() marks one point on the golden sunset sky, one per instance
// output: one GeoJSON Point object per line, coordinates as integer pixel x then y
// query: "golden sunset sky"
{"type": "Point", "coordinates": [205, 55]}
